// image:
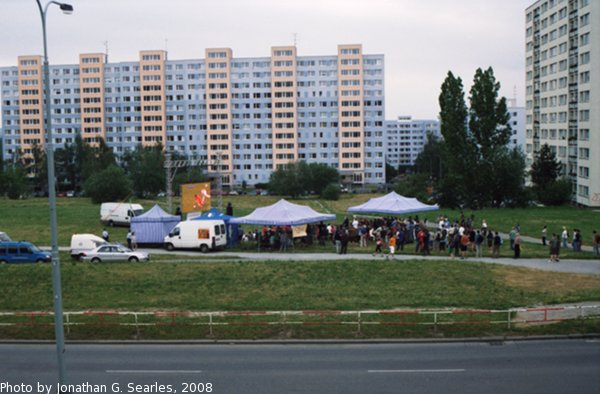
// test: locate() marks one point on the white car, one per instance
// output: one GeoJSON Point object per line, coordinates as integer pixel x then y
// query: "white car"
{"type": "Point", "coordinates": [114, 252]}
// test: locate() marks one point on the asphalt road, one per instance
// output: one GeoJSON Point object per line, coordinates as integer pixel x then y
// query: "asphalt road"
{"type": "Point", "coordinates": [562, 366]}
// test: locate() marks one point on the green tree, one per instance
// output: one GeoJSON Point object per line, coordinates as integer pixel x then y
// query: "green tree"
{"type": "Point", "coordinates": [488, 116]}
{"type": "Point", "coordinates": [320, 176]}
{"type": "Point", "coordinates": [109, 184]}
{"type": "Point", "coordinates": [390, 172]}
{"type": "Point", "coordinates": [286, 180]}
{"type": "Point", "coordinates": [93, 158]}
{"type": "Point", "coordinates": [331, 192]}
{"type": "Point", "coordinates": [430, 159]}
{"type": "Point", "coordinates": [37, 167]}
{"type": "Point", "coordinates": [14, 181]}
{"type": "Point", "coordinates": [145, 167]}
{"type": "Point", "coordinates": [545, 169]}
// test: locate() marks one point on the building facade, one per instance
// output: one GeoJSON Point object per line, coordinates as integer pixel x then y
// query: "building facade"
{"type": "Point", "coordinates": [517, 124]}
{"type": "Point", "coordinates": [406, 138]}
{"type": "Point", "coordinates": [563, 89]}
{"type": "Point", "coordinates": [244, 116]}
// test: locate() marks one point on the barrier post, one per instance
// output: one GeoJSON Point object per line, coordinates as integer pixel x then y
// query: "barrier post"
{"type": "Point", "coordinates": [435, 321]}
{"type": "Point", "coordinates": [358, 318]}
{"type": "Point", "coordinates": [508, 318]}
{"type": "Point", "coordinates": [137, 325]}
{"type": "Point", "coordinates": [210, 324]}
{"type": "Point", "coordinates": [67, 314]}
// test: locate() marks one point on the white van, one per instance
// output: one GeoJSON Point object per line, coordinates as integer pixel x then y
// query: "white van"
{"type": "Point", "coordinates": [119, 213]}
{"type": "Point", "coordinates": [203, 234]}
{"type": "Point", "coordinates": [4, 237]}
{"type": "Point", "coordinates": [81, 243]}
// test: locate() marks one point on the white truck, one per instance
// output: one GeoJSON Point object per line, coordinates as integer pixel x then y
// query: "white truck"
{"type": "Point", "coordinates": [119, 213]}
{"type": "Point", "coordinates": [202, 234]}
{"type": "Point", "coordinates": [81, 243]}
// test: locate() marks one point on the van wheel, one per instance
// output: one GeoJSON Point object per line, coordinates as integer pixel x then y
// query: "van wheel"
{"type": "Point", "coordinates": [133, 259]}
{"type": "Point", "coordinates": [95, 260]}
{"type": "Point", "coordinates": [39, 261]}
{"type": "Point", "coordinates": [169, 247]}
{"type": "Point", "coordinates": [80, 257]}
{"type": "Point", "coordinates": [204, 248]}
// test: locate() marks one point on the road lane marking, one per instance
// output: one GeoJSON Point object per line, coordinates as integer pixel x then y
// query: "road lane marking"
{"type": "Point", "coordinates": [415, 370]}
{"type": "Point", "coordinates": [151, 371]}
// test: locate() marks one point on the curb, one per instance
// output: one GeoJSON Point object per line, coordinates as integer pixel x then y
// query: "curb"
{"type": "Point", "coordinates": [408, 341]}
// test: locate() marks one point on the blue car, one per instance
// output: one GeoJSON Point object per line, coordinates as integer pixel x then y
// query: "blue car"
{"type": "Point", "coordinates": [22, 252]}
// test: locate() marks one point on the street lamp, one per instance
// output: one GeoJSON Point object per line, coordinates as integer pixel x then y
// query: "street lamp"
{"type": "Point", "coordinates": [58, 312]}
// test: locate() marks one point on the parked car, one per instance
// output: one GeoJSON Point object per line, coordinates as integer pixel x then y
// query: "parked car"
{"type": "Point", "coordinates": [4, 237]}
{"type": "Point", "coordinates": [22, 252]}
{"type": "Point", "coordinates": [114, 252]}
{"type": "Point", "coordinates": [81, 243]}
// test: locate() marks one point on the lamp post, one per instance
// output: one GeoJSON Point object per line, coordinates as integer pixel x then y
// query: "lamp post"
{"type": "Point", "coordinates": [57, 292]}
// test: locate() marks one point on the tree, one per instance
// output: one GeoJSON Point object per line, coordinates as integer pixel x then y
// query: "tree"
{"type": "Point", "coordinates": [545, 169]}
{"type": "Point", "coordinates": [14, 181]}
{"type": "Point", "coordinates": [285, 180]}
{"type": "Point", "coordinates": [430, 159]}
{"type": "Point", "coordinates": [109, 184]}
{"type": "Point", "coordinates": [488, 116]}
{"type": "Point", "coordinates": [93, 159]}
{"type": "Point", "coordinates": [297, 178]}
{"type": "Point", "coordinates": [481, 169]}
{"type": "Point", "coordinates": [390, 172]}
{"type": "Point", "coordinates": [331, 192]}
{"type": "Point", "coordinates": [37, 167]}
{"type": "Point", "coordinates": [145, 167]}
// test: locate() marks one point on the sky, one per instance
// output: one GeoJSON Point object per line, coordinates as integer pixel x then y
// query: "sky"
{"type": "Point", "coordinates": [421, 39]}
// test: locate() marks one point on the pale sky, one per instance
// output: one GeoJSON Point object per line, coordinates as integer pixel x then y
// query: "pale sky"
{"type": "Point", "coordinates": [421, 39]}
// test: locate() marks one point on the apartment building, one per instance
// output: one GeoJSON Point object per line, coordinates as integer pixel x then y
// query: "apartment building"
{"type": "Point", "coordinates": [563, 89]}
{"type": "Point", "coordinates": [406, 138]}
{"type": "Point", "coordinates": [244, 116]}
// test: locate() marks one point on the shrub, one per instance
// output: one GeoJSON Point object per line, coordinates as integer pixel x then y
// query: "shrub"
{"type": "Point", "coordinates": [331, 192]}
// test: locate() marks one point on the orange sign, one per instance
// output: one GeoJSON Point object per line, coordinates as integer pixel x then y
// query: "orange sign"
{"type": "Point", "coordinates": [195, 197]}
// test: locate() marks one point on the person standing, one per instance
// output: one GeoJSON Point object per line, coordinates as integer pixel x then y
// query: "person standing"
{"type": "Point", "coordinates": [596, 242]}
{"type": "Point", "coordinates": [129, 238]}
{"type": "Point", "coordinates": [517, 246]}
{"type": "Point", "coordinates": [392, 245]}
{"type": "Point", "coordinates": [511, 236]}
{"type": "Point", "coordinates": [554, 245]}
{"type": "Point", "coordinates": [283, 240]}
{"type": "Point", "coordinates": [464, 243]}
{"type": "Point", "coordinates": [345, 237]}
{"type": "Point", "coordinates": [496, 246]}
{"type": "Point", "coordinates": [337, 237]}
{"type": "Point", "coordinates": [378, 245]}
{"type": "Point", "coordinates": [564, 236]}
{"type": "Point", "coordinates": [478, 242]}
{"type": "Point", "coordinates": [544, 234]}
{"type": "Point", "coordinates": [105, 234]}
{"type": "Point", "coordinates": [133, 241]}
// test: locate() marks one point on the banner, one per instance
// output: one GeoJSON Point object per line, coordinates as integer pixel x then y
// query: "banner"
{"type": "Point", "coordinates": [195, 197]}
{"type": "Point", "coordinates": [299, 231]}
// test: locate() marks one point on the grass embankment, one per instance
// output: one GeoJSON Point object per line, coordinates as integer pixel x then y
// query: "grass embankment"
{"type": "Point", "coordinates": [256, 286]}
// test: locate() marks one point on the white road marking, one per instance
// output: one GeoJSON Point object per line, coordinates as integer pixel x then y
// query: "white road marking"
{"type": "Point", "coordinates": [415, 370]}
{"type": "Point", "coordinates": [151, 371]}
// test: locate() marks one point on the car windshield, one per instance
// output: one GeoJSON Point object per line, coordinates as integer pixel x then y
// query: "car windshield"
{"type": "Point", "coordinates": [34, 249]}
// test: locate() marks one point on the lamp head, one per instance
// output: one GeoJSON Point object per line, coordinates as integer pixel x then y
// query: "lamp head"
{"type": "Point", "coordinates": [66, 8]}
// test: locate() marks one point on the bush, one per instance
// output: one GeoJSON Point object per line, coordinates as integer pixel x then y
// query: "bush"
{"type": "Point", "coordinates": [110, 184]}
{"type": "Point", "coordinates": [331, 192]}
{"type": "Point", "coordinates": [556, 193]}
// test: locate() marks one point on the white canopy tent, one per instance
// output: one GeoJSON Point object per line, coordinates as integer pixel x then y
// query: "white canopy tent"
{"type": "Point", "coordinates": [283, 213]}
{"type": "Point", "coordinates": [393, 204]}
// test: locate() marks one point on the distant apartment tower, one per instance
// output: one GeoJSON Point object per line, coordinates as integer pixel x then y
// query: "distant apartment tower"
{"type": "Point", "coordinates": [517, 124]}
{"type": "Point", "coordinates": [563, 89]}
{"type": "Point", "coordinates": [244, 116]}
{"type": "Point", "coordinates": [405, 139]}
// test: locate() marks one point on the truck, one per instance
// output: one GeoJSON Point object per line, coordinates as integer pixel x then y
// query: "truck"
{"type": "Point", "coordinates": [119, 213]}
{"type": "Point", "coordinates": [81, 243]}
{"type": "Point", "coordinates": [197, 234]}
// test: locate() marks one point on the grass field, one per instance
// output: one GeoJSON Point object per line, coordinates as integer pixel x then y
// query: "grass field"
{"type": "Point", "coordinates": [347, 285]}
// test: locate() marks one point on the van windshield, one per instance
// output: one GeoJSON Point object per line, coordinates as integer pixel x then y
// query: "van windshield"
{"type": "Point", "coordinates": [34, 249]}
{"type": "Point", "coordinates": [137, 212]}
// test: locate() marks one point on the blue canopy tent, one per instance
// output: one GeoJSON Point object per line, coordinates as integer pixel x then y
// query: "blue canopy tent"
{"type": "Point", "coordinates": [232, 229]}
{"type": "Point", "coordinates": [152, 226]}
{"type": "Point", "coordinates": [393, 204]}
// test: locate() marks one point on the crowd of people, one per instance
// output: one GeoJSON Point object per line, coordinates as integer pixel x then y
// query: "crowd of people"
{"type": "Point", "coordinates": [460, 238]}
